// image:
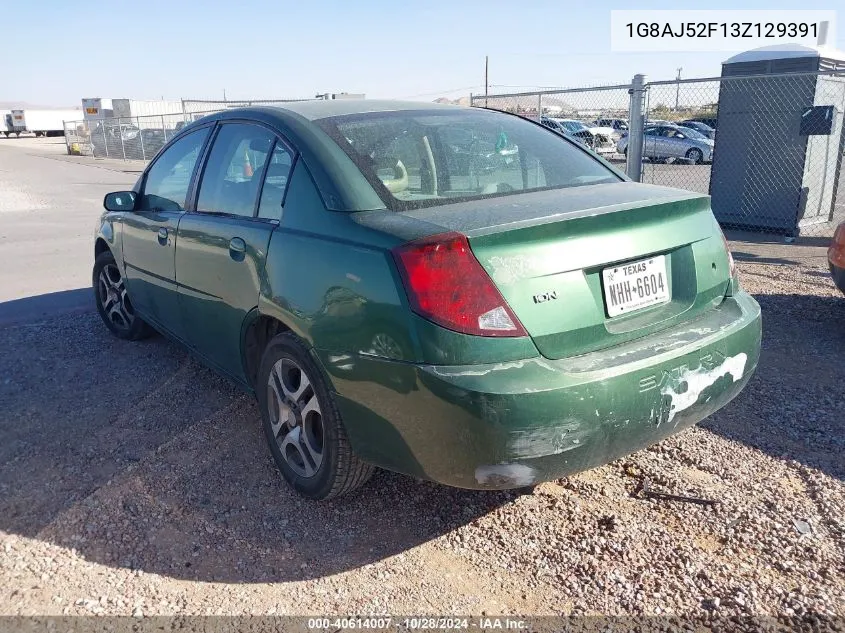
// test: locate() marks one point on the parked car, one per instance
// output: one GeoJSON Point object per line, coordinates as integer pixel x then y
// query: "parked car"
{"type": "Point", "coordinates": [390, 307]}
{"type": "Point", "coordinates": [701, 128]}
{"type": "Point", "coordinates": [661, 142]}
{"type": "Point", "coordinates": [620, 125]}
{"type": "Point", "coordinates": [708, 121]}
{"type": "Point", "coordinates": [597, 139]}
{"type": "Point", "coordinates": [836, 257]}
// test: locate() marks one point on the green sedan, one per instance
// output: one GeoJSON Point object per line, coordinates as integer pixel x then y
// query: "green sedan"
{"type": "Point", "coordinates": [456, 294]}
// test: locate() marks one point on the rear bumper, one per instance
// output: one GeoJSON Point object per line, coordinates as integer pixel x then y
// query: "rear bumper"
{"type": "Point", "coordinates": [522, 422]}
{"type": "Point", "coordinates": [838, 275]}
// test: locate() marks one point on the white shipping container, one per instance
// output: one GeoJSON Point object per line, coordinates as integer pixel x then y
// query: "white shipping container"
{"type": "Point", "coordinates": [140, 107]}
{"type": "Point", "coordinates": [96, 108]}
{"type": "Point", "coordinates": [43, 122]}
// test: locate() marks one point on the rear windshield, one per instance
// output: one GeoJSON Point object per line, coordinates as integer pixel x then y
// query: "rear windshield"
{"type": "Point", "coordinates": [692, 132]}
{"type": "Point", "coordinates": [423, 158]}
{"type": "Point", "coordinates": [573, 126]}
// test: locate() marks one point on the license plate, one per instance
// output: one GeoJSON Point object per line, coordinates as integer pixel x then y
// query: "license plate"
{"type": "Point", "coordinates": [635, 285]}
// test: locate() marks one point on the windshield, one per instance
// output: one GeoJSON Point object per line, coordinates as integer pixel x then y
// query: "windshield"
{"type": "Point", "coordinates": [691, 133]}
{"type": "Point", "coordinates": [422, 158]}
{"type": "Point", "coordinates": [573, 126]}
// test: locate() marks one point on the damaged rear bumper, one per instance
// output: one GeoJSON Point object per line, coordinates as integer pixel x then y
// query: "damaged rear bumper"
{"type": "Point", "coordinates": [518, 423]}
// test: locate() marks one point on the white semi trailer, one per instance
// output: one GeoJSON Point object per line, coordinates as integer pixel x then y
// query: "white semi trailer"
{"type": "Point", "coordinates": [41, 122]}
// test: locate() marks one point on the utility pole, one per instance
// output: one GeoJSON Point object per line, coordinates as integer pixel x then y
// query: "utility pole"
{"type": "Point", "coordinates": [224, 95]}
{"type": "Point", "coordinates": [486, 67]}
{"type": "Point", "coordinates": [678, 90]}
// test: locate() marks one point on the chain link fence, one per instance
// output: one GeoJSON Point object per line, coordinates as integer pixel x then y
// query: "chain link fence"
{"type": "Point", "coordinates": [140, 137]}
{"type": "Point", "coordinates": [124, 138]}
{"type": "Point", "coordinates": [596, 117]}
{"type": "Point", "coordinates": [768, 149]}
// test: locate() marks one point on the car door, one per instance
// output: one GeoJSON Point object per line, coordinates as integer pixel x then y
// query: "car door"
{"type": "Point", "coordinates": [149, 232]}
{"type": "Point", "coordinates": [650, 137]}
{"type": "Point", "coordinates": [676, 143]}
{"type": "Point", "coordinates": [663, 143]}
{"type": "Point", "coordinates": [222, 244]}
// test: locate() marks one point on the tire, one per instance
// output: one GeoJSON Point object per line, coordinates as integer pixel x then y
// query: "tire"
{"type": "Point", "coordinates": [112, 300]}
{"type": "Point", "coordinates": [695, 155]}
{"type": "Point", "coordinates": [302, 424]}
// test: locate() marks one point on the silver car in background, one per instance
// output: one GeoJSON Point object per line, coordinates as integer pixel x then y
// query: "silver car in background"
{"type": "Point", "coordinates": [661, 142]}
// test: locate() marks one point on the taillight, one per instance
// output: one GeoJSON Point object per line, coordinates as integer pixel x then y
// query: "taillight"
{"type": "Point", "coordinates": [836, 250]}
{"type": "Point", "coordinates": [446, 284]}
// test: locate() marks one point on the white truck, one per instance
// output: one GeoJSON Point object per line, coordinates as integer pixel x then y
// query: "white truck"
{"type": "Point", "coordinates": [41, 122]}
{"type": "Point", "coordinates": [13, 123]}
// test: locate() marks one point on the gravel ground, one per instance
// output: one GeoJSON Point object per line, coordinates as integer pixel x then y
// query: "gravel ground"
{"type": "Point", "coordinates": [133, 481]}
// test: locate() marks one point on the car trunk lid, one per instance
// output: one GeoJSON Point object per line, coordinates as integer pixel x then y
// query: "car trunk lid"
{"type": "Point", "coordinates": [546, 251]}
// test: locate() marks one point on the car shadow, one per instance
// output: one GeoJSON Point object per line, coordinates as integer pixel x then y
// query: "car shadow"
{"type": "Point", "coordinates": [32, 309]}
{"type": "Point", "coordinates": [801, 357]}
{"type": "Point", "coordinates": [138, 457]}
{"type": "Point", "coordinates": [741, 256]}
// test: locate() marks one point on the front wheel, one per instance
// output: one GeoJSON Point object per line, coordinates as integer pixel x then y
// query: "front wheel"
{"type": "Point", "coordinates": [302, 424]}
{"type": "Point", "coordinates": [695, 156]}
{"type": "Point", "coordinates": [113, 301]}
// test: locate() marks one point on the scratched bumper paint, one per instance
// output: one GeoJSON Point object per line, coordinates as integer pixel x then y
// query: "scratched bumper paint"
{"type": "Point", "coordinates": [518, 423]}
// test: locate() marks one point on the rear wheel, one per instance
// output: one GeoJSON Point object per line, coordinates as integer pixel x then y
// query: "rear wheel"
{"type": "Point", "coordinates": [302, 424]}
{"type": "Point", "coordinates": [696, 156]}
{"type": "Point", "coordinates": [113, 301]}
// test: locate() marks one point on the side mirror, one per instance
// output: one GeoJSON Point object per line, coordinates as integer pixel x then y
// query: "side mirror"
{"type": "Point", "coordinates": [120, 201]}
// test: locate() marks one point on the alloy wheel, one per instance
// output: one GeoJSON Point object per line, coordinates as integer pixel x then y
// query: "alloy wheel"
{"type": "Point", "coordinates": [296, 419]}
{"type": "Point", "coordinates": [111, 291]}
{"type": "Point", "coordinates": [696, 156]}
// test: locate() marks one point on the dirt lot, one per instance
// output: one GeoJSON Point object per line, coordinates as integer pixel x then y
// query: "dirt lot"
{"type": "Point", "coordinates": [135, 481]}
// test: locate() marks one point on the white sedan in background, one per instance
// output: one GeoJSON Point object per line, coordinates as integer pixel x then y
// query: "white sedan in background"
{"type": "Point", "coordinates": [598, 139]}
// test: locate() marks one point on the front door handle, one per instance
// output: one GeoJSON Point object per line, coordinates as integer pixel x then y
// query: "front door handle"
{"type": "Point", "coordinates": [162, 236]}
{"type": "Point", "coordinates": [237, 249]}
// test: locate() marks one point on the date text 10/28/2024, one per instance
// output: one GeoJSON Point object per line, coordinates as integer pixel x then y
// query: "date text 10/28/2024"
{"type": "Point", "coordinates": [387, 623]}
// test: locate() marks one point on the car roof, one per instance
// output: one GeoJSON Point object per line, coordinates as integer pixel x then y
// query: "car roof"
{"type": "Point", "coordinates": [323, 108]}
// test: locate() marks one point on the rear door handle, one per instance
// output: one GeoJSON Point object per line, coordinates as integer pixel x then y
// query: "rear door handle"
{"type": "Point", "coordinates": [162, 236]}
{"type": "Point", "coordinates": [237, 249]}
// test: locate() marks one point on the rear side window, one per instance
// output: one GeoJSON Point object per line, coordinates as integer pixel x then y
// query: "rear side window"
{"type": "Point", "coordinates": [423, 158]}
{"type": "Point", "coordinates": [275, 183]}
{"type": "Point", "coordinates": [232, 176]}
{"type": "Point", "coordinates": [167, 182]}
